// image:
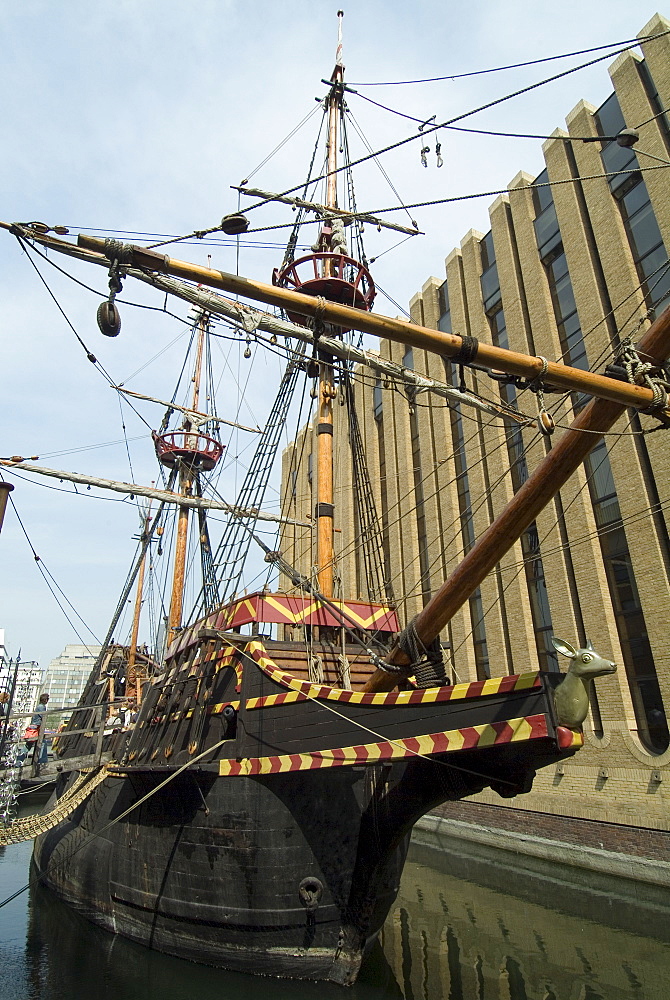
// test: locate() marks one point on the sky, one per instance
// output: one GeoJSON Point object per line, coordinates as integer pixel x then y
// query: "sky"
{"type": "Point", "coordinates": [136, 117]}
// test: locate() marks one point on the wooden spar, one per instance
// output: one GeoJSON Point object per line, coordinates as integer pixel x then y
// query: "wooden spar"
{"type": "Point", "coordinates": [132, 652]}
{"type": "Point", "coordinates": [134, 489]}
{"type": "Point", "coordinates": [324, 481]}
{"type": "Point", "coordinates": [203, 418]}
{"type": "Point", "coordinates": [561, 462]}
{"type": "Point", "coordinates": [334, 105]}
{"type": "Point", "coordinates": [325, 210]}
{"type": "Point", "coordinates": [179, 571]}
{"type": "Point", "coordinates": [217, 305]}
{"type": "Point", "coordinates": [385, 327]}
{"type": "Point", "coordinates": [186, 477]}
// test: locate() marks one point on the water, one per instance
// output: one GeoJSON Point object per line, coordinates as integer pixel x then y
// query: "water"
{"type": "Point", "coordinates": [464, 927]}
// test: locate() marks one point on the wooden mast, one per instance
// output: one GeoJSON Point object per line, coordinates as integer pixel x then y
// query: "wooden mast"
{"type": "Point", "coordinates": [185, 488]}
{"type": "Point", "coordinates": [132, 652]}
{"type": "Point", "coordinates": [562, 461]}
{"type": "Point", "coordinates": [324, 439]}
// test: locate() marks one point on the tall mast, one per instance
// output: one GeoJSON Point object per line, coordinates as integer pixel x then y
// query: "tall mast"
{"type": "Point", "coordinates": [324, 450]}
{"type": "Point", "coordinates": [132, 653]}
{"type": "Point", "coordinates": [186, 476]}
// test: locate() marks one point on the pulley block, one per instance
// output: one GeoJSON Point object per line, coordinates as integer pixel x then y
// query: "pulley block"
{"type": "Point", "coordinates": [235, 224]}
{"type": "Point", "coordinates": [109, 319]}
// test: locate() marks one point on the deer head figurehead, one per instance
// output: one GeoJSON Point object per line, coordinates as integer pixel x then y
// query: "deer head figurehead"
{"type": "Point", "coordinates": [571, 697]}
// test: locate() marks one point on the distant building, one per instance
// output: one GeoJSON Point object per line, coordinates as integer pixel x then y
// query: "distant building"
{"type": "Point", "coordinates": [27, 679]}
{"type": "Point", "coordinates": [67, 674]}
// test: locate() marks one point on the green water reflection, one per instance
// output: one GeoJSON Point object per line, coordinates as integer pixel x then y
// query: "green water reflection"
{"type": "Point", "coordinates": [508, 928]}
{"type": "Point", "coordinates": [468, 925]}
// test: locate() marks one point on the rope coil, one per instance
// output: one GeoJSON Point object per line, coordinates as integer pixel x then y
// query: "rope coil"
{"type": "Point", "coordinates": [426, 662]}
{"type": "Point", "coordinates": [645, 373]}
{"type": "Point", "coordinates": [467, 351]}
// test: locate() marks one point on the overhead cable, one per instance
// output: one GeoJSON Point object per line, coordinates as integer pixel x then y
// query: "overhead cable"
{"type": "Point", "coordinates": [421, 135]}
{"type": "Point", "coordinates": [520, 65]}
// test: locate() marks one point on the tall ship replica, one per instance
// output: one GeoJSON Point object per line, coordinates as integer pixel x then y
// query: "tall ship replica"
{"type": "Point", "coordinates": [257, 815]}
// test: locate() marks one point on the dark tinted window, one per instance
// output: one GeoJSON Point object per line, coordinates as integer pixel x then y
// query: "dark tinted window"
{"type": "Point", "coordinates": [609, 117]}
{"type": "Point", "coordinates": [488, 250]}
{"type": "Point", "coordinates": [444, 322]}
{"type": "Point", "coordinates": [377, 400]}
{"type": "Point", "coordinates": [542, 196]}
{"type": "Point", "coordinates": [490, 287]}
{"type": "Point", "coordinates": [547, 233]}
{"type": "Point", "coordinates": [645, 234]}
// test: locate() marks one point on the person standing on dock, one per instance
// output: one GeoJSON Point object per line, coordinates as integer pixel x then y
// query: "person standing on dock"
{"type": "Point", "coordinates": [32, 733]}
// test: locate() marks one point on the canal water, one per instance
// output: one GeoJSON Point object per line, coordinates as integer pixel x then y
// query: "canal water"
{"type": "Point", "coordinates": [469, 924]}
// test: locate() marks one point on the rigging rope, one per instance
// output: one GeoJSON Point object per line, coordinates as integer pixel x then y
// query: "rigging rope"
{"type": "Point", "coordinates": [524, 187]}
{"type": "Point", "coordinates": [45, 573]}
{"type": "Point", "coordinates": [633, 42]}
{"type": "Point", "coordinates": [233, 548]}
{"type": "Point", "coordinates": [422, 135]}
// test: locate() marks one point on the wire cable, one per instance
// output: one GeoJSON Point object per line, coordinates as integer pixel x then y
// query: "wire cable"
{"type": "Point", "coordinates": [633, 42]}
{"type": "Point", "coordinates": [433, 128]}
{"type": "Point", "coordinates": [49, 580]}
{"type": "Point", "coordinates": [524, 187]}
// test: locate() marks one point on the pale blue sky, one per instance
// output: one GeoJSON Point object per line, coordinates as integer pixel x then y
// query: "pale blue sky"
{"type": "Point", "coordinates": [138, 115]}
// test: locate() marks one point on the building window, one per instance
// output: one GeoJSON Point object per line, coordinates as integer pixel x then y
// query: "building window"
{"type": "Point", "coordinates": [419, 506]}
{"type": "Point", "coordinates": [377, 400]}
{"type": "Point", "coordinates": [565, 310]}
{"type": "Point", "coordinates": [638, 659]}
{"type": "Point", "coordinates": [482, 663]}
{"type": "Point", "coordinates": [444, 322]}
{"type": "Point", "coordinates": [378, 411]}
{"type": "Point", "coordinates": [649, 252]}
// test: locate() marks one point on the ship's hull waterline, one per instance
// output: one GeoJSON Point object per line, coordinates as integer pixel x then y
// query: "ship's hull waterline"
{"type": "Point", "coordinates": [289, 875]}
{"type": "Point", "coordinates": [283, 865]}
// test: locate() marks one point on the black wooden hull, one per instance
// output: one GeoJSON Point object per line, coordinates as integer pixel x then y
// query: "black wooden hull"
{"type": "Point", "coordinates": [291, 875]}
{"type": "Point", "coordinates": [280, 853]}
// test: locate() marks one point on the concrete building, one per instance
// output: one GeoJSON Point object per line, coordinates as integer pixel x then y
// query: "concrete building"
{"type": "Point", "coordinates": [576, 261]}
{"type": "Point", "coordinates": [25, 676]}
{"type": "Point", "coordinates": [67, 674]}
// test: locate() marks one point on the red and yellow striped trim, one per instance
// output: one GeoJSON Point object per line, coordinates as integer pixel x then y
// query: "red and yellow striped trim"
{"type": "Point", "coordinates": [288, 698]}
{"type": "Point", "coordinates": [471, 737]}
{"type": "Point", "coordinates": [288, 609]}
{"type": "Point", "coordinates": [568, 738]}
{"type": "Point", "coordinates": [301, 690]}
